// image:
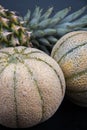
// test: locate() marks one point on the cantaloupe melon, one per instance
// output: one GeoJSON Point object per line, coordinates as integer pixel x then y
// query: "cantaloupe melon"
{"type": "Point", "coordinates": [71, 54]}
{"type": "Point", "coordinates": [32, 87]}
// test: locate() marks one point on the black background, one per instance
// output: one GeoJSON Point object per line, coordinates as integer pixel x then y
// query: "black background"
{"type": "Point", "coordinates": [69, 116]}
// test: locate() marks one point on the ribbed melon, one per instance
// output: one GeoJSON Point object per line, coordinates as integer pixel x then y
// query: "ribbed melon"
{"type": "Point", "coordinates": [32, 87]}
{"type": "Point", "coordinates": [71, 54]}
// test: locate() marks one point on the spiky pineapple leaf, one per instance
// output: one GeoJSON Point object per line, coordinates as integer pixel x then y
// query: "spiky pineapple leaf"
{"type": "Point", "coordinates": [78, 24]}
{"type": "Point", "coordinates": [27, 16]}
{"type": "Point", "coordinates": [74, 15]}
{"type": "Point", "coordinates": [62, 13]}
{"type": "Point", "coordinates": [46, 14]}
{"type": "Point", "coordinates": [44, 24]}
{"type": "Point", "coordinates": [52, 39]}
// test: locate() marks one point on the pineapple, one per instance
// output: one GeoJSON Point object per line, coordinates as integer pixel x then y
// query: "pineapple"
{"type": "Point", "coordinates": [41, 29]}
{"type": "Point", "coordinates": [12, 31]}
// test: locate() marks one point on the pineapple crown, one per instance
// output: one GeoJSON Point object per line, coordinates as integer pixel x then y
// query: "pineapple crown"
{"type": "Point", "coordinates": [12, 32]}
{"type": "Point", "coordinates": [47, 29]}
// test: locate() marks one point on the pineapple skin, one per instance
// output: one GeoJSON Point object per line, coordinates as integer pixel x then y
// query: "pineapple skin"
{"type": "Point", "coordinates": [12, 31]}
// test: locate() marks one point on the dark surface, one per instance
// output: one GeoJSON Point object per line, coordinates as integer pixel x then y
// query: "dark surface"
{"type": "Point", "coordinates": [69, 116]}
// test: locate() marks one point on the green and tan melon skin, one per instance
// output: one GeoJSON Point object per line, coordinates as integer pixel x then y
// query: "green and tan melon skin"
{"type": "Point", "coordinates": [32, 87]}
{"type": "Point", "coordinates": [70, 52]}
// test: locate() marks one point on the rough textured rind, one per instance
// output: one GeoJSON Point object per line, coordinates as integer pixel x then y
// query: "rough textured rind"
{"type": "Point", "coordinates": [71, 54]}
{"type": "Point", "coordinates": [32, 87]}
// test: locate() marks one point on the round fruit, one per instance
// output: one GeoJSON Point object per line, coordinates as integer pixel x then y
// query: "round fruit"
{"type": "Point", "coordinates": [71, 54]}
{"type": "Point", "coordinates": [32, 87]}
